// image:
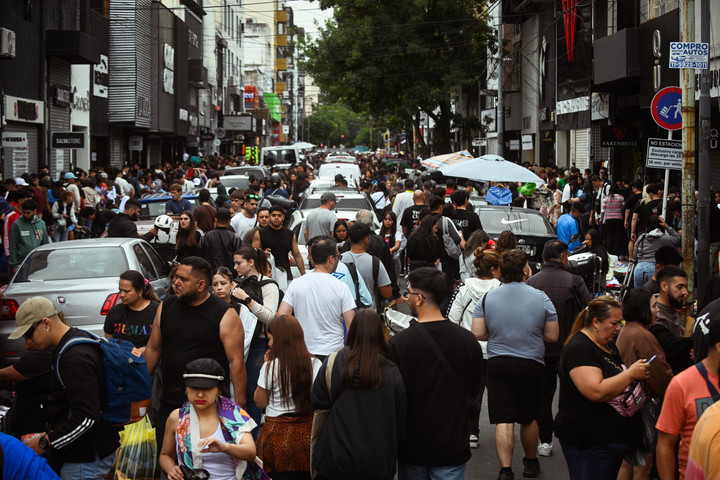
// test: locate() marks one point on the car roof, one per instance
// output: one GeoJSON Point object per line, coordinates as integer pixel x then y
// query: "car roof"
{"type": "Point", "coordinates": [339, 192]}
{"type": "Point", "coordinates": [88, 243]}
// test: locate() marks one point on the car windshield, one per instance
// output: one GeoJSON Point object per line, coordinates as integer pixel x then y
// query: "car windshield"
{"type": "Point", "coordinates": [155, 208]}
{"type": "Point", "coordinates": [495, 221]}
{"type": "Point", "coordinates": [235, 182]}
{"type": "Point", "coordinates": [330, 170]}
{"type": "Point", "coordinates": [343, 203]}
{"type": "Point", "coordinates": [72, 263]}
{"type": "Point", "coordinates": [271, 157]}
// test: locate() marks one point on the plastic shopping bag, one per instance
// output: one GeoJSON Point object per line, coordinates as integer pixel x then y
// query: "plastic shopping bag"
{"type": "Point", "coordinates": [136, 458]}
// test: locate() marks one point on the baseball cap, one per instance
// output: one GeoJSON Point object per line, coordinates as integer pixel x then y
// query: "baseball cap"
{"type": "Point", "coordinates": [33, 310]}
{"type": "Point", "coordinates": [203, 373]}
{"type": "Point", "coordinates": [20, 182]}
{"type": "Point", "coordinates": [69, 175]}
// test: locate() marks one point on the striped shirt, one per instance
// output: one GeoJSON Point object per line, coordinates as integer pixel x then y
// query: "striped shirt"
{"type": "Point", "coordinates": [613, 207]}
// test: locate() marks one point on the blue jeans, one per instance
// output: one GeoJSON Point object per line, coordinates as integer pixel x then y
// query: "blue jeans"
{"type": "Point", "coordinates": [407, 471]}
{"type": "Point", "coordinates": [88, 471]}
{"type": "Point", "coordinates": [599, 462]}
{"type": "Point", "coordinates": [644, 271]}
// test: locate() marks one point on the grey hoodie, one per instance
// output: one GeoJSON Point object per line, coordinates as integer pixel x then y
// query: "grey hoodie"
{"type": "Point", "coordinates": [649, 242]}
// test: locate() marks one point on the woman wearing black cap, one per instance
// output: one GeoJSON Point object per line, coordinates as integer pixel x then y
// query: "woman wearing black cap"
{"type": "Point", "coordinates": [208, 431]}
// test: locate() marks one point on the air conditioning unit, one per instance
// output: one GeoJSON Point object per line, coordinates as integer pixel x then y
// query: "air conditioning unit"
{"type": "Point", "coordinates": [7, 43]}
{"type": "Point", "coordinates": [232, 81]}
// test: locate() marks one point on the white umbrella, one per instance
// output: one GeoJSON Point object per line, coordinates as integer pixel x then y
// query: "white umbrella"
{"type": "Point", "coordinates": [304, 145]}
{"type": "Point", "coordinates": [491, 168]}
{"type": "Point", "coordinates": [438, 161]}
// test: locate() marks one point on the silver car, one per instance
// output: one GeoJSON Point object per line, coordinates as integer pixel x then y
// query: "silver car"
{"type": "Point", "coordinates": [80, 277]}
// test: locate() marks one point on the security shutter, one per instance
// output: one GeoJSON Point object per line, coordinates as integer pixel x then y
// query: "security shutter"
{"type": "Point", "coordinates": [118, 146]}
{"type": "Point", "coordinates": [59, 120]}
{"type": "Point", "coordinates": [579, 148]}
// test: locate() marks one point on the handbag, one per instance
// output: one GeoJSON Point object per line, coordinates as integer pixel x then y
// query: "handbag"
{"type": "Point", "coordinates": [321, 416]}
{"type": "Point", "coordinates": [629, 401]}
{"type": "Point", "coordinates": [451, 248]}
{"type": "Point", "coordinates": [394, 321]}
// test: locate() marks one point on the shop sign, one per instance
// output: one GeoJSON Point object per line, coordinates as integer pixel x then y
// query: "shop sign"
{"type": "Point", "coordinates": [62, 96]}
{"type": "Point", "coordinates": [101, 78]}
{"type": "Point", "coordinates": [135, 143]}
{"type": "Point", "coordinates": [618, 136]}
{"type": "Point", "coordinates": [241, 123]}
{"type": "Point", "coordinates": [71, 140]}
{"type": "Point", "coordinates": [14, 140]}
{"type": "Point", "coordinates": [24, 110]}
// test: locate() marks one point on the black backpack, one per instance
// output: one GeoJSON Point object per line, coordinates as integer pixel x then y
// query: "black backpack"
{"type": "Point", "coordinates": [253, 288]}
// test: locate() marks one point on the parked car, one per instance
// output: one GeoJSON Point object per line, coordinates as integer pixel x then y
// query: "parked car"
{"type": "Point", "coordinates": [340, 158]}
{"type": "Point", "coordinates": [80, 278]}
{"type": "Point", "coordinates": [530, 227]}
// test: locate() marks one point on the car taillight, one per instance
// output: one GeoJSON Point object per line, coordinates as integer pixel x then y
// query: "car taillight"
{"type": "Point", "coordinates": [110, 302]}
{"type": "Point", "coordinates": [8, 309]}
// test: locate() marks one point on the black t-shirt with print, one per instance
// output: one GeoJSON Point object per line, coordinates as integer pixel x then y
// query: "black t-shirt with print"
{"type": "Point", "coordinates": [127, 324]}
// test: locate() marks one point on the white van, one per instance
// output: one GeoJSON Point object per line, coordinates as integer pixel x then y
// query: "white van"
{"type": "Point", "coordinates": [282, 156]}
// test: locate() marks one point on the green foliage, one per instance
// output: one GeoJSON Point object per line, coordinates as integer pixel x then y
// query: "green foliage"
{"type": "Point", "coordinates": [395, 58]}
{"type": "Point", "coordinates": [329, 123]}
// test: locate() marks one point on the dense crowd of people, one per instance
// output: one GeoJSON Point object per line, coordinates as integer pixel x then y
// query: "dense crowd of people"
{"type": "Point", "coordinates": [245, 353]}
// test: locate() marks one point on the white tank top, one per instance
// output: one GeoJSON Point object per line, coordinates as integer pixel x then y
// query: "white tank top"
{"type": "Point", "coordinates": [220, 466]}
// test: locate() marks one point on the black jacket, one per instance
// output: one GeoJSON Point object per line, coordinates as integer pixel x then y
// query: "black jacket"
{"type": "Point", "coordinates": [76, 428]}
{"type": "Point", "coordinates": [123, 226]}
{"type": "Point", "coordinates": [218, 247]}
{"type": "Point", "coordinates": [568, 294]}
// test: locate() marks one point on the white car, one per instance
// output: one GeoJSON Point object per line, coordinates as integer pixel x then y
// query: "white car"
{"type": "Point", "coordinates": [229, 181]}
{"type": "Point", "coordinates": [347, 170]}
{"type": "Point", "coordinates": [340, 158]}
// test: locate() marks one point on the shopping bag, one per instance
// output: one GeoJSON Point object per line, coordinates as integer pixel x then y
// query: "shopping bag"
{"type": "Point", "coordinates": [136, 459]}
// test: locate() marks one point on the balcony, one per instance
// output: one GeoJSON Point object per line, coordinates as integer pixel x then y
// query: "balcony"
{"type": "Point", "coordinates": [74, 46]}
{"type": "Point", "coordinates": [281, 40]}
{"type": "Point", "coordinates": [279, 88]}
{"type": "Point", "coordinates": [616, 59]}
{"type": "Point", "coordinates": [280, 64]}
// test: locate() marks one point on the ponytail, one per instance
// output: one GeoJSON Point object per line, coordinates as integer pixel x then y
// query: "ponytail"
{"type": "Point", "coordinates": [600, 308]}
{"type": "Point", "coordinates": [257, 255]}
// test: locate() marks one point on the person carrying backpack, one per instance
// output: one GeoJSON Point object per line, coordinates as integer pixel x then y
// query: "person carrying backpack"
{"type": "Point", "coordinates": [79, 442]}
{"type": "Point", "coordinates": [261, 295]}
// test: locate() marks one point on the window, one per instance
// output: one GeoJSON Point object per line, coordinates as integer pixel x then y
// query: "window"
{"type": "Point", "coordinates": [145, 264]}
{"type": "Point", "coordinates": [160, 266]}
{"type": "Point", "coordinates": [72, 263]}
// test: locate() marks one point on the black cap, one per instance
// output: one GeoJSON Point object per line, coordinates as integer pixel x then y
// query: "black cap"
{"type": "Point", "coordinates": [203, 373]}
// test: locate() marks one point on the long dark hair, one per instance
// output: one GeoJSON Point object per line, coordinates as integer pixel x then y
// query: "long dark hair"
{"type": "Point", "coordinates": [140, 283]}
{"type": "Point", "coordinates": [294, 365]}
{"type": "Point", "coordinates": [506, 241]}
{"type": "Point", "coordinates": [249, 252]}
{"type": "Point", "coordinates": [636, 306]}
{"type": "Point", "coordinates": [189, 233]}
{"type": "Point", "coordinates": [344, 224]}
{"type": "Point", "coordinates": [393, 229]}
{"type": "Point", "coordinates": [367, 350]}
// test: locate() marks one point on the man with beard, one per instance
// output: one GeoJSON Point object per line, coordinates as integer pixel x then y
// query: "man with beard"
{"type": "Point", "coordinates": [123, 225]}
{"type": "Point", "coordinates": [189, 325]}
{"type": "Point", "coordinates": [669, 326]}
{"type": "Point", "coordinates": [435, 357]}
{"type": "Point", "coordinates": [280, 241]}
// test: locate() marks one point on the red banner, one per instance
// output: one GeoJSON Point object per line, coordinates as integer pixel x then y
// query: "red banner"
{"type": "Point", "coordinates": [570, 17]}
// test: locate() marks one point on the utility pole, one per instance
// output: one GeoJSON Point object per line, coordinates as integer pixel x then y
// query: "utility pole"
{"type": "Point", "coordinates": [687, 83]}
{"type": "Point", "coordinates": [703, 250]}
{"type": "Point", "coordinates": [500, 107]}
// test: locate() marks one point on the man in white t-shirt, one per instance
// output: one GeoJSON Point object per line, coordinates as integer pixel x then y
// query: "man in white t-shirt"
{"type": "Point", "coordinates": [244, 220]}
{"type": "Point", "coordinates": [378, 283]}
{"type": "Point", "coordinates": [125, 188]}
{"type": "Point", "coordinates": [405, 199]}
{"type": "Point", "coordinates": [321, 302]}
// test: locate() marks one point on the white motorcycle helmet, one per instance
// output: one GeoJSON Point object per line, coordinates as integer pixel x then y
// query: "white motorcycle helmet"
{"type": "Point", "coordinates": [164, 222]}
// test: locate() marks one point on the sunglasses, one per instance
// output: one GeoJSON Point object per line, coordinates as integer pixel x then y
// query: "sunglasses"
{"type": "Point", "coordinates": [253, 197]}
{"type": "Point", "coordinates": [31, 331]}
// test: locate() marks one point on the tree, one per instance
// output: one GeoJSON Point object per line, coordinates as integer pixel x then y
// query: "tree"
{"type": "Point", "coordinates": [395, 59]}
{"type": "Point", "coordinates": [329, 123]}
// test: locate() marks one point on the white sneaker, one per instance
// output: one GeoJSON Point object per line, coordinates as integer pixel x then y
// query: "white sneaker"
{"type": "Point", "coordinates": [474, 441]}
{"type": "Point", "coordinates": [545, 449]}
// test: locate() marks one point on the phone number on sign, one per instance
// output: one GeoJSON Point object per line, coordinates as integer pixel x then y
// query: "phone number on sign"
{"type": "Point", "coordinates": [699, 65]}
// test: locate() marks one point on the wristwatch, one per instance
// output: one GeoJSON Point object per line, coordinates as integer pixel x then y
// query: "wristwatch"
{"type": "Point", "coordinates": [44, 443]}
{"type": "Point", "coordinates": [247, 300]}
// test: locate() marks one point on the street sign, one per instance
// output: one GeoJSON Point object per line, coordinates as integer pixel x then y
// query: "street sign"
{"type": "Point", "coordinates": [663, 153]}
{"type": "Point", "coordinates": [479, 142]}
{"type": "Point", "coordinates": [689, 55]}
{"type": "Point", "coordinates": [666, 108]}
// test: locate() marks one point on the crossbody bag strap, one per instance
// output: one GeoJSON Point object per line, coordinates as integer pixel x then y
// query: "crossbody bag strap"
{"type": "Point", "coordinates": [711, 388]}
{"type": "Point", "coordinates": [328, 372]}
{"type": "Point", "coordinates": [441, 356]}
